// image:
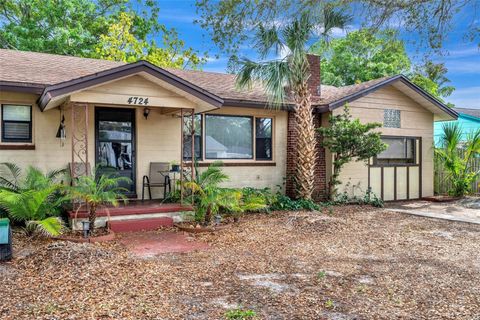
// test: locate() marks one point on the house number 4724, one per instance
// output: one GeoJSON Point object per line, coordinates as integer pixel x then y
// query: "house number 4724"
{"type": "Point", "coordinates": [138, 100]}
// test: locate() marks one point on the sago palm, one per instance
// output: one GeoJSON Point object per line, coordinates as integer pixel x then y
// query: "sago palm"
{"type": "Point", "coordinates": [98, 190]}
{"type": "Point", "coordinates": [11, 178]}
{"type": "Point", "coordinates": [36, 208]}
{"type": "Point", "coordinates": [288, 77]}
{"type": "Point", "coordinates": [456, 155]}
{"type": "Point", "coordinates": [207, 195]}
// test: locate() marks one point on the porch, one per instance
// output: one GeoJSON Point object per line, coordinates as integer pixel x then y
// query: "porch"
{"type": "Point", "coordinates": [126, 118]}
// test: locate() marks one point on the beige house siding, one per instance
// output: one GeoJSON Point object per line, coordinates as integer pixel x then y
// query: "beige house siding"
{"type": "Point", "coordinates": [158, 139]}
{"type": "Point", "coordinates": [416, 121]}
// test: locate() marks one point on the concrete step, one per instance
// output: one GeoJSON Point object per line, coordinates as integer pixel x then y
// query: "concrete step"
{"type": "Point", "coordinates": [132, 225]}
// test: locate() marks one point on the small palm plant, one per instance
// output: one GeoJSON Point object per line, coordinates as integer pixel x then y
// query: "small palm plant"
{"type": "Point", "coordinates": [456, 156]}
{"type": "Point", "coordinates": [33, 198]}
{"type": "Point", "coordinates": [207, 195]}
{"type": "Point", "coordinates": [98, 190]}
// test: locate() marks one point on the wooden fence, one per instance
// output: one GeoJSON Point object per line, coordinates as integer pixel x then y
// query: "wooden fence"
{"type": "Point", "coordinates": [441, 182]}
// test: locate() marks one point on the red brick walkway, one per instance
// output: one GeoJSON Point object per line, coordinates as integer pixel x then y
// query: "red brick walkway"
{"type": "Point", "coordinates": [152, 243]}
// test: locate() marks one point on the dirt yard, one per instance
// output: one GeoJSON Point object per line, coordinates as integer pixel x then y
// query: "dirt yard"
{"type": "Point", "coordinates": [352, 263]}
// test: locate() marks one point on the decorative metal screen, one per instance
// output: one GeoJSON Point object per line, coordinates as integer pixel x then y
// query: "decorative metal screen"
{"type": "Point", "coordinates": [391, 118]}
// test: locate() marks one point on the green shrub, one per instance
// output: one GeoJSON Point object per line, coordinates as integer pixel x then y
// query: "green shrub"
{"type": "Point", "coordinates": [239, 314]}
{"type": "Point", "coordinates": [369, 198]}
{"type": "Point", "coordinates": [283, 202]}
{"type": "Point", "coordinates": [34, 199]}
{"type": "Point", "coordinates": [98, 190]}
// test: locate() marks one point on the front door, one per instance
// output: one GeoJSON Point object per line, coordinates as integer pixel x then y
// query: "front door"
{"type": "Point", "coordinates": [115, 144]}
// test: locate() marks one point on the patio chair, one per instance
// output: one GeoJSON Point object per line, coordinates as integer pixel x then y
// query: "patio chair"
{"type": "Point", "coordinates": [158, 178]}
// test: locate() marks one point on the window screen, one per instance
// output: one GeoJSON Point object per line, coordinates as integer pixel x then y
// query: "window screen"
{"type": "Point", "coordinates": [16, 123]}
{"type": "Point", "coordinates": [391, 118]}
{"type": "Point", "coordinates": [228, 137]}
{"type": "Point", "coordinates": [399, 151]}
{"type": "Point", "coordinates": [263, 138]}
{"type": "Point", "coordinates": [187, 137]}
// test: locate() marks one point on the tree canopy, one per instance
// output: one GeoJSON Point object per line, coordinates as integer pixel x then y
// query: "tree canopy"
{"type": "Point", "coordinates": [230, 22]}
{"type": "Point", "coordinates": [99, 29]}
{"type": "Point", "coordinates": [363, 55]}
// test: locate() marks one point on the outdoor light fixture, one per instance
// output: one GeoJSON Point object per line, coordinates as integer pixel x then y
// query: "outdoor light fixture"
{"type": "Point", "coordinates": [86, 228]}
{"type": "Point", "coordinates": [146, 112]}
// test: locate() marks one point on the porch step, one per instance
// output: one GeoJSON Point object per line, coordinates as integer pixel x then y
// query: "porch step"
{"type": "Point", "coordinates": [140, 224]}
{"type": "Point", "coordinates": [134, 209]}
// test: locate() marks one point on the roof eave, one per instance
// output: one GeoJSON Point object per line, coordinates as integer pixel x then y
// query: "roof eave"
{"type": "Point", "coordinates": [406, 81]}
{"type": "Point", "coordinates": [21, 87]}
{"type": "Point", "coordinates": [66, 87]}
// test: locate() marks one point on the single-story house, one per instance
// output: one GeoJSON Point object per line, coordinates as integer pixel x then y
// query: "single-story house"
{"type": "Point", "coordinates": [126, 116]}
{"type": "Point", "coordinates": [468, 119]}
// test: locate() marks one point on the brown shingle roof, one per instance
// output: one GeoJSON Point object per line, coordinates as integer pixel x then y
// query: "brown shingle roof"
{"type": "Point", "coordinates": [47, 69]}
{"type": "Point", "coordinates": [470, 112]}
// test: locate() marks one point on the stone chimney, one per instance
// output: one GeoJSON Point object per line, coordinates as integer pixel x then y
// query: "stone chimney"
{"type": "Point", "coordinates": [314, 82]}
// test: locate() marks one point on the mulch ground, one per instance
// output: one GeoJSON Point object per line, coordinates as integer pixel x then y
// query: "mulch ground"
{"type": "Point", "coordinates": [352, 263]}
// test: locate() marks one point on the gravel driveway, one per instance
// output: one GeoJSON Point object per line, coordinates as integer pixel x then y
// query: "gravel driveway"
{"type": "Point", "coordinates": [351, 263]}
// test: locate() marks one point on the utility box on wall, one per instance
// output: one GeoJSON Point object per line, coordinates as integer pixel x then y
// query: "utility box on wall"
{"type": "Point", "coordinates": [5, 240]}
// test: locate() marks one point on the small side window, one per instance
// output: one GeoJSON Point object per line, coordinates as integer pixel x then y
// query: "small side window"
{"type": "Point", "coordinates": [399, 151]}
{"type": "Point", "coordinates": [16, 123]}
{"type": "Point", "coordinates": [391, 118]}
{"type": "Point", "coordinates": [263, 138]}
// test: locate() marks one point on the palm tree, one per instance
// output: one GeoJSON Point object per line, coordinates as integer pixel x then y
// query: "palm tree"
{"type": "Point", "coordinates": [456, 156]}
{"type": "Point", "coordinates": [291, 73]}
{"type": "Point", "coordinates": [98, 190]}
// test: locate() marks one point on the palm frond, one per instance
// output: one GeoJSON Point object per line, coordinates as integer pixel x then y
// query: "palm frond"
{"type": "Point", "coordinates": [52, 226]}
{"type": "Point", "coordinates": [333, 19]}
{"type": "Point", "coordinates": [267, 39]}
{"type": "Point", "coordinates": [10, 176]}
{"type": "Point", "coordinates": [275, 76]}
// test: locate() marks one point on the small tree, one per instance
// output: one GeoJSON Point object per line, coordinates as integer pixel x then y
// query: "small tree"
{"type": "Point", "coordinates": [348, 139]}
{"type": "Point", "coordinates": [456, 154]}
{"type": "Point", "coordinates": [98, 190]}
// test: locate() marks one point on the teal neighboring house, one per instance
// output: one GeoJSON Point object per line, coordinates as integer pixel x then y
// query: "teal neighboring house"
{"type": "Point", "coordinates": [469, 120]}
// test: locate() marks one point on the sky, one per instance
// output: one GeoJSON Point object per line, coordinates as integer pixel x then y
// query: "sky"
{"type": "Point", "coordinates": [462, 59]}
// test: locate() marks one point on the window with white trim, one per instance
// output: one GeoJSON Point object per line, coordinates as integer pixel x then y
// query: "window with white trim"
{"type": "Point", "coordinates": [16, 123]}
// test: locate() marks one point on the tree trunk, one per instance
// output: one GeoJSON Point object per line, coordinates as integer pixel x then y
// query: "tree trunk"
{"type": "Point", "coordinates": [92, 216]}
{"type": "Point", "coordinates": [208, 216]}
{"type": "Point", "coordinates": [306, 143]}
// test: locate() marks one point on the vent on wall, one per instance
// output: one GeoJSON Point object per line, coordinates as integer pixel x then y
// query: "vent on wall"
{"type": "Point", "coordinates": [391, 118]}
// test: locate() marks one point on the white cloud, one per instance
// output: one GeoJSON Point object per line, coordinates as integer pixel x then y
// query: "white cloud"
{"type": "Point", "coordinates": [464, 52]}
{"type": "Point", "coordinates": [468, 97]}
{"type": "Point", "coordinates": [459, 66]}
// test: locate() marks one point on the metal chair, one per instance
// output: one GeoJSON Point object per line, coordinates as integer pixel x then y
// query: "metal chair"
{"type": "Point", "coordinates": [157, 178]}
